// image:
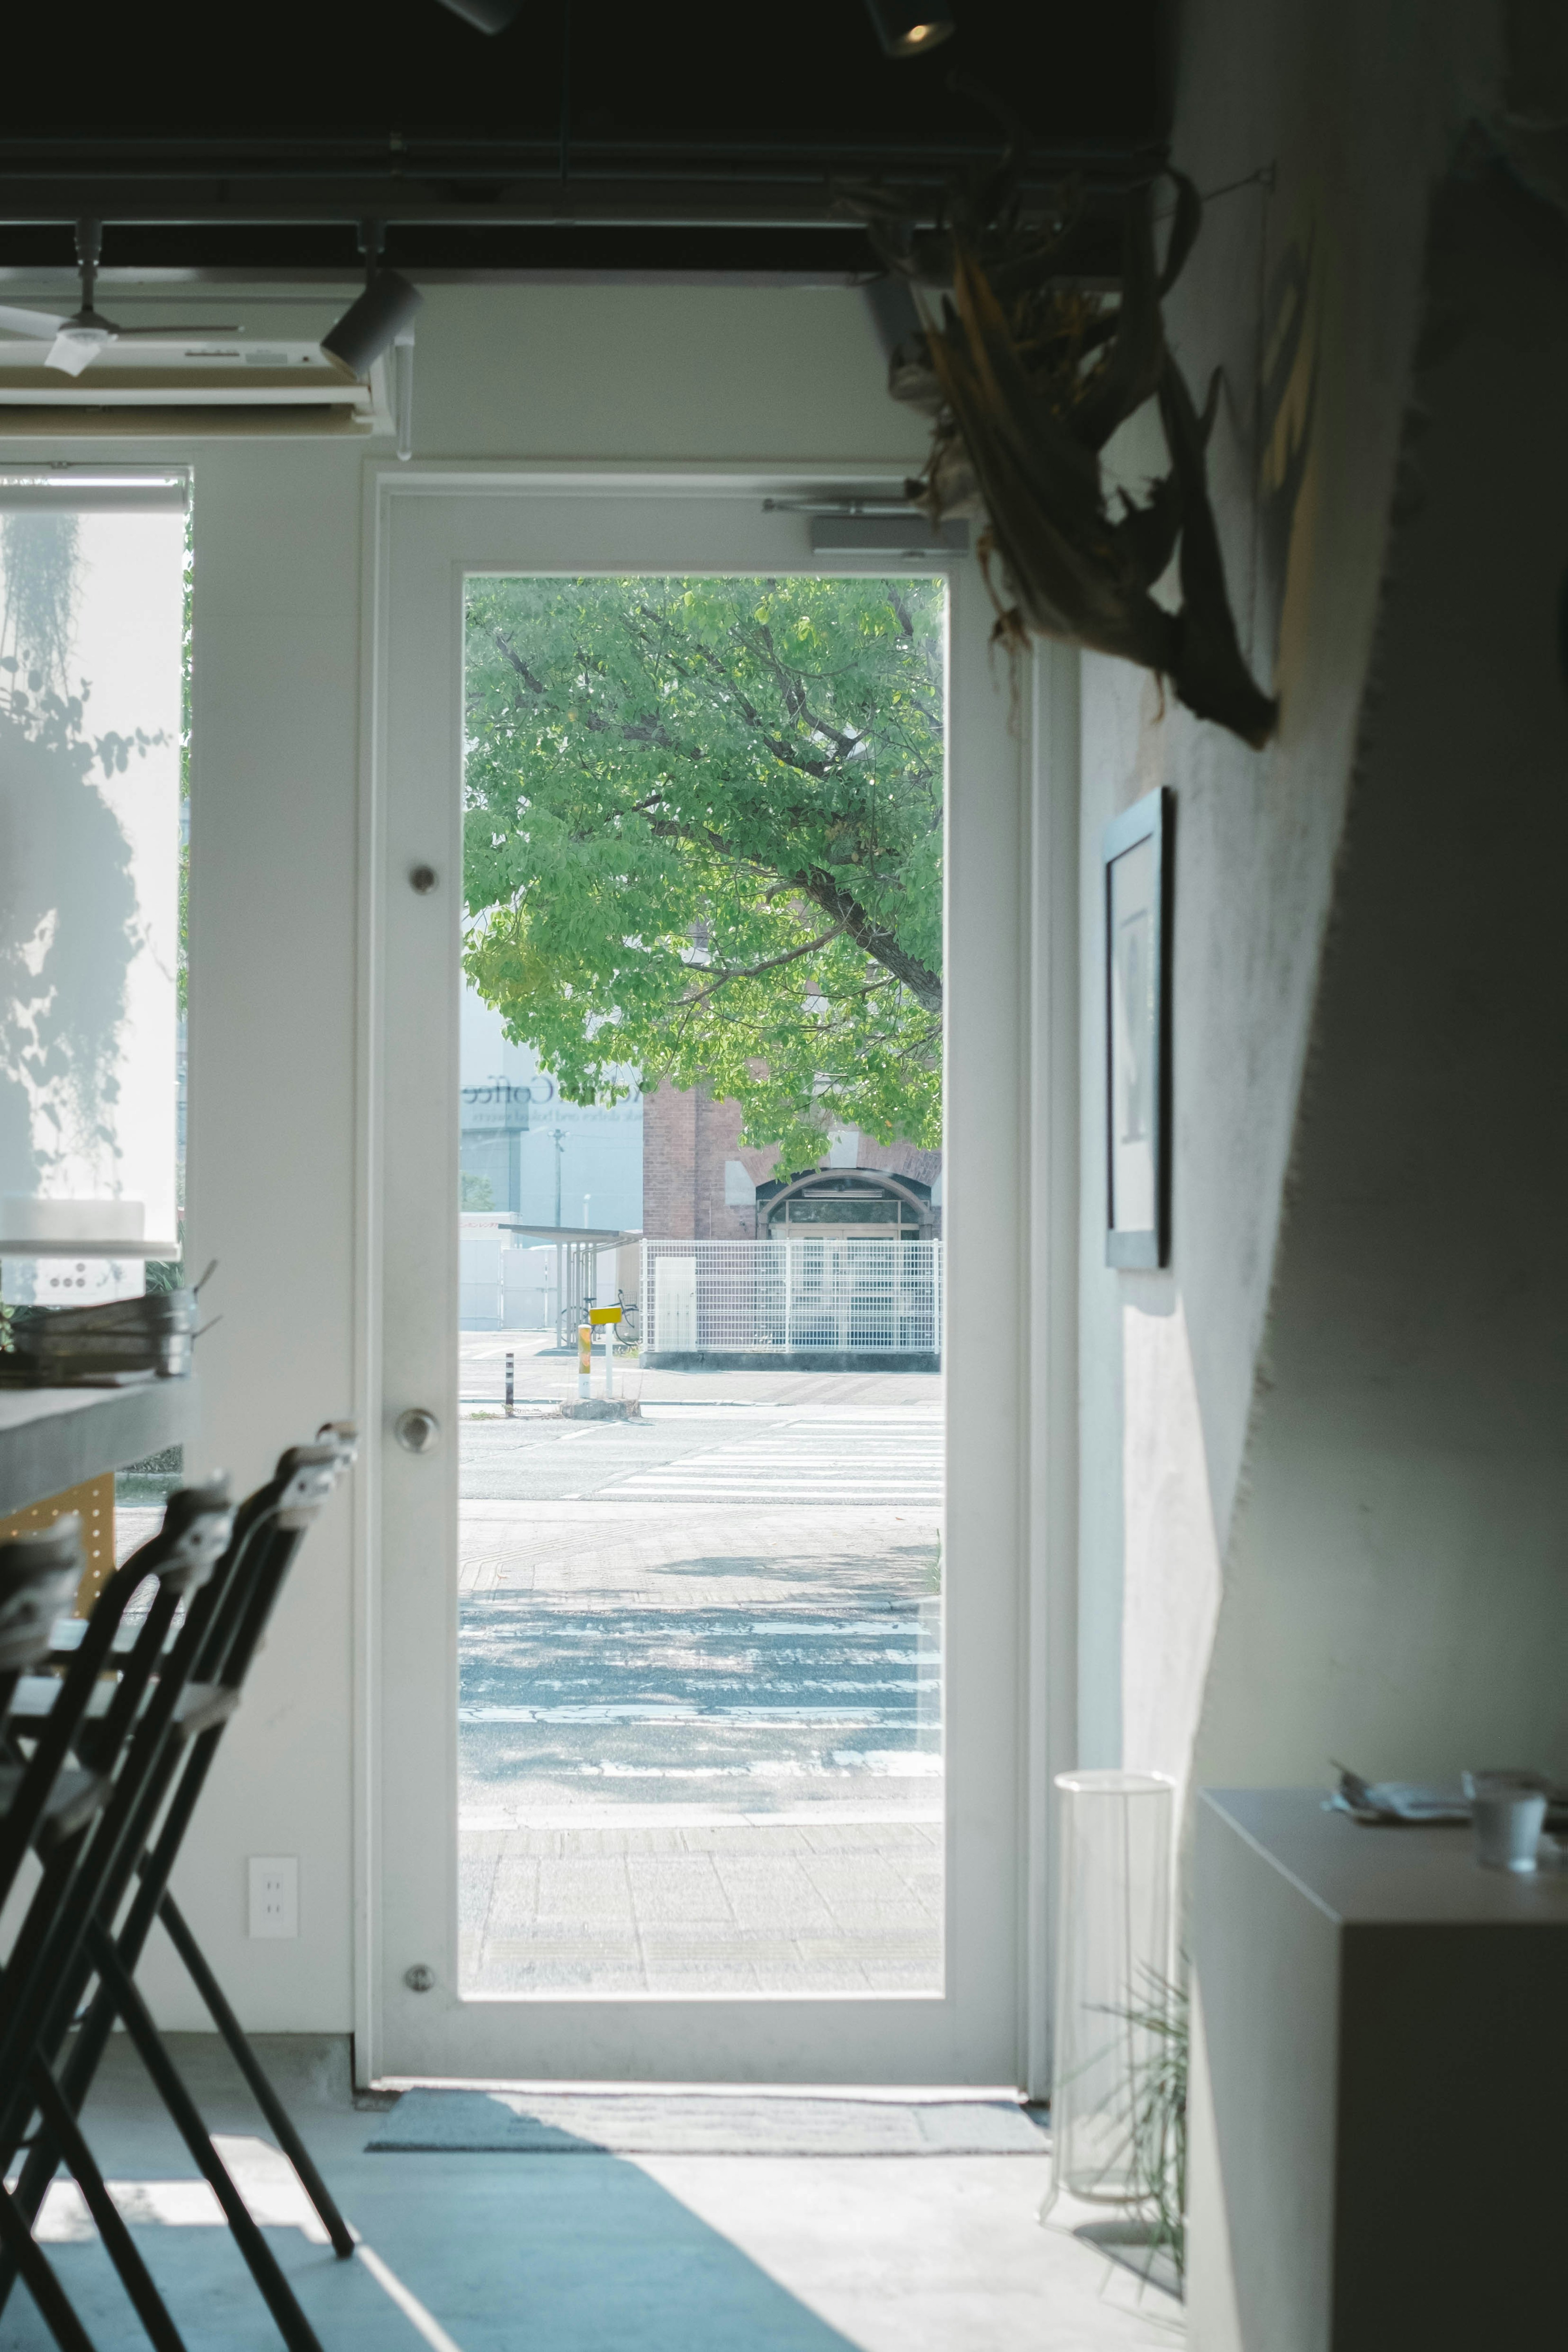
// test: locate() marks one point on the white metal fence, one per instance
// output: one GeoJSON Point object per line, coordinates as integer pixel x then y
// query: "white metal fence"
{"type": "Point", "coordinates": [792, 1296]}
{"type": "Point", "coordinates": [503, 1288]}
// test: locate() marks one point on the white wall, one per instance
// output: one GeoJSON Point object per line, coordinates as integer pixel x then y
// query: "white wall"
{"type": "Point", "coordinates": [595, 373]}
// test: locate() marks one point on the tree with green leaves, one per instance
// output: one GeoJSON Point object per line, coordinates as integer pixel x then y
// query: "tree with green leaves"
{"type": "Point", "coordinates": [703, 840]}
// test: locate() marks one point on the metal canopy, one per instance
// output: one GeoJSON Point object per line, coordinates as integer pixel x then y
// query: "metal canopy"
{"type": "Point", "coordinates": [577, 1249]}
{"type": "Point", "coordinates": [602, 1236]}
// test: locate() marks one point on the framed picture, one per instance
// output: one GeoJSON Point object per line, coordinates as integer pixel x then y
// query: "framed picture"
{"type": "Point", "coordinates": [1135, 850]}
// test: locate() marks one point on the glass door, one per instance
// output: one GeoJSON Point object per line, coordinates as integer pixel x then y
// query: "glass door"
{"type": "Point", "coordinates": [695, 1573]}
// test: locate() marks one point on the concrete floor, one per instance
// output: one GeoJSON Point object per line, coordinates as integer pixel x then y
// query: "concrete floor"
{"type": "Point", "coordinates": [669, 2253]}
{"type": "Point", "coordinates": [579, 2253]}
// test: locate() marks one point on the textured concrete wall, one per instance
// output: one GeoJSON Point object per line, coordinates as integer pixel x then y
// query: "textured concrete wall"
{"type": "Point", "coordinates": [1397, 1588]}
{"type": "Point", "coordinates": [1322, 129]}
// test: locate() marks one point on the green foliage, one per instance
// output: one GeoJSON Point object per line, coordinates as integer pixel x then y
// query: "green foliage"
{"type": "Point", "coordinates": [704, 841]}
{"type": "Point", "coordinates": [39, 557]}
{"type": "Point", "coordinates": [475, 1191]}
{"type": "Point", "coordinates": [1162, 2021]}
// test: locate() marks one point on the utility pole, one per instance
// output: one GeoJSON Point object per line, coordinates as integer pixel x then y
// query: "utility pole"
{"type": "Point", "coordinates": [559, 1135]}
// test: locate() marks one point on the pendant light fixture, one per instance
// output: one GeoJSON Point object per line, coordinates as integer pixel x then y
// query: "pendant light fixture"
{"type": "Point", "coordinates": [905, 28]}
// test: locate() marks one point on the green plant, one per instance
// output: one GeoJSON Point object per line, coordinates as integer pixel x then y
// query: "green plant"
{"type": "Point", "coordinates": [1157, 2119]}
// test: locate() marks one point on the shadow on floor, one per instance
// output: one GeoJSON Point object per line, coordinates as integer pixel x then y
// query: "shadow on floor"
{"type": "Point", "coordinates": [468, 2253]}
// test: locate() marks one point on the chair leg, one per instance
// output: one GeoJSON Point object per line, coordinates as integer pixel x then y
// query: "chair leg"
{"type": "Point", "coordinates": [292, 2324]}
{"type": "Point", "coordinates": [74, 2080]}
{"type": "Point", "coordinates": [118, 2243]}
{"type": "Point", "coordinates": [250, 2065]}
{"type": "Point", "coordinates": [41, 2281]}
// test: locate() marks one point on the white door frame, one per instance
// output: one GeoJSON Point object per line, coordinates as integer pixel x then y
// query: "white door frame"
{"type": "Point", "coordinates": [987, 2027]}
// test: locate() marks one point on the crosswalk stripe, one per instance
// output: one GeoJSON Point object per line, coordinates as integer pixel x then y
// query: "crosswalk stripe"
{"type": "Point", "coordinates": [729, 1488]}
{"type": "Point", "coordinates": [757, 1481]}
{"type": "Point", "coordinates": [878, 1717]}
{"type": "Point", "coordinates": [925, 1497]}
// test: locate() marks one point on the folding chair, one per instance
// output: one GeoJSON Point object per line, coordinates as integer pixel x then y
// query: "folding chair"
{"type": "Point", "coordinates": [38, 1574]}
{"type": "Point", "coordinates": [223, 1634]}
{"type": "Point", "coordinates": [229, 1664]}
{"type": "Point", "coordinates": [60, 1810]}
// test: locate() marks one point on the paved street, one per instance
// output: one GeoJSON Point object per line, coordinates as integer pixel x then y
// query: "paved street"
{"type": "Point", "coordinates": [700, 1711]}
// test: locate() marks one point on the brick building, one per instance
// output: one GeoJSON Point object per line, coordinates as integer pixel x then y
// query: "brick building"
{"type": "Point", "coordinates": [699, 1182]}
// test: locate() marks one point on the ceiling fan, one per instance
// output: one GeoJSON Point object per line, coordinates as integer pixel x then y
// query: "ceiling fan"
{"type": "Point", "coordinates": [76, 342]}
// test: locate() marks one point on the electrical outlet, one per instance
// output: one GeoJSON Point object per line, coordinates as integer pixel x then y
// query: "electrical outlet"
{"type": "Point", "coordinates": [274, 1894]}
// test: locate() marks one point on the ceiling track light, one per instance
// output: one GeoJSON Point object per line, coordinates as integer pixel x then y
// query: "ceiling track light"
{"type": "Point", "coordinates": [905, 28]}
{"type": "Point", "coordinates": [485, 15]}
{"type": "Point", "coordinates": [383, 314]}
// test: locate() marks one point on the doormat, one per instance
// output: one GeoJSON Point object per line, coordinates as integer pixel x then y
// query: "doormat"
{"type": "Point", "coordinates": [674, 2123]}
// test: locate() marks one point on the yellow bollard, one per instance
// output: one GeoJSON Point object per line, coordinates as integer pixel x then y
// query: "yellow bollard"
{"type": "Point", "coordinates": [606, 1319]}
{"type": "Point", "coordinates": [585, 1358]}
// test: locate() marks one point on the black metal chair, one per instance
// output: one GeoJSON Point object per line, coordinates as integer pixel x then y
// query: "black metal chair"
{"type": "Point", "coordinates": [38, 1575]}
{"type": "Point", "coordinates": [167, 1767]}
{"type": "Point", "coordinates": [58, 1809]}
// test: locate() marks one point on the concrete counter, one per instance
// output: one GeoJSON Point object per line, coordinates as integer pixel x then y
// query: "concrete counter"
{"type": "Point", "coordinates": [1379, 2149]}
{"type": "Point", "coordinates": [51, 1439]}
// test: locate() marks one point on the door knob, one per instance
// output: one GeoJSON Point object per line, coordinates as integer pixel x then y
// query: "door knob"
{"type": "Point", "coordinates": [416, 1430]}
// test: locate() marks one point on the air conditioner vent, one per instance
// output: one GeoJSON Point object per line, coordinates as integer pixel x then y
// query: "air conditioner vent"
{"type": "Point", "coordinates": [181, 387]}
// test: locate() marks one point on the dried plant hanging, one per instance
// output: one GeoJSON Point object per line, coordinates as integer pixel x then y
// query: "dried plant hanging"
{"type": "Point", "coordinates": [1026, 377]}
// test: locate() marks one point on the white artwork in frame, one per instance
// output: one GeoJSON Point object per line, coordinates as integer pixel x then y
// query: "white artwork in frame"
{"type": "Point", "coordinates": [1135, 853]}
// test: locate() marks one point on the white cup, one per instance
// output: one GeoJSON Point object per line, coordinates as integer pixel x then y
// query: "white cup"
{"type": "Point", "coordinates": [1507, 1809]}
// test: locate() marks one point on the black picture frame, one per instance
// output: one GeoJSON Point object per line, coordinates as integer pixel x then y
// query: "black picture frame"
{"type": "Point", "coordinates": [1138, 870]}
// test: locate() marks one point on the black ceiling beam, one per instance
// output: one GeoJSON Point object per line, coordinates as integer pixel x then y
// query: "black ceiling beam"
{"type": "Point", "coordinates": [198, 204]}
{"type": "Point", "coordinates": [280, 153]}
{"type": "Point", "coordinates": [513, 191]}
{"type": "Point", "coordinates": [478, 253]}
{"type": "Point", "coordinates": [469, 205]}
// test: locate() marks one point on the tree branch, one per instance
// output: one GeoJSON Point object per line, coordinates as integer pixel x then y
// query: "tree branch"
{"type": "Point", "coordinates": [651, 732]}
{"type": "Point", "coordinates": [873, 937]}
{"type": "Point", "coordinates": [853, 919]}
{"type": "Point", "coordinates": [755, 971]}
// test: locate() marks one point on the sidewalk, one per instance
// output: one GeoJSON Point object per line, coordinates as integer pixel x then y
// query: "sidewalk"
{"type": "Point", "coordinates": [789, 1903]}
{"type": "Point", "coordinates": [542, 1376]}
